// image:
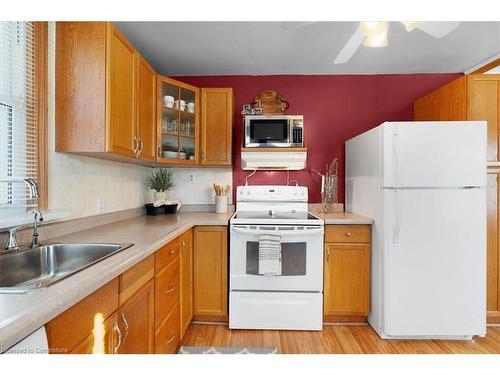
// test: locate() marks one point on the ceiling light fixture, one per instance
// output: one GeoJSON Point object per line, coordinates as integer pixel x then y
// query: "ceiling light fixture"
{"type": "Point", "coordinates": [409, 25]}
{"type": "Point", "coordinates": [375, 33]}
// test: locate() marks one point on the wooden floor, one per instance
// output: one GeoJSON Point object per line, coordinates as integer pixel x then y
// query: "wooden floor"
{"type": "Point", "coordinates": [337, 339]}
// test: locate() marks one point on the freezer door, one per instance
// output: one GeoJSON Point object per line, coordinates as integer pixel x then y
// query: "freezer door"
{"type": "Point", "coordinates": [434, 262]}
{"type": "Point", "coordinates": [429, 154]}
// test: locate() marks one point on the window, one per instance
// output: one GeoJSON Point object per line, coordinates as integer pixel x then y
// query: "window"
{"type": "Point", "coordinates": [22, 112]}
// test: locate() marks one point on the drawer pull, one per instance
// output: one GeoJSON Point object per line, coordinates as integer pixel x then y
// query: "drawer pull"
{"type": "Point", "coordinates": [171, 339]}
{"type": "Point", "coordinates": [348, 234]}
{"type": "Point", "coordinates": [170, 289]}
{"type": "Point", "coordinates": [172, 252]}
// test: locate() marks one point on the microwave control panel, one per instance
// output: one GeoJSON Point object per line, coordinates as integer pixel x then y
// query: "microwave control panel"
{"type": "Point", "coordinates": [298, 131]}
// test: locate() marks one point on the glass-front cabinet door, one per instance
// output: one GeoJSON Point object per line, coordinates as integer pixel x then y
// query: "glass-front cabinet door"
{"type": "Point", "coordinates": [178, 122]}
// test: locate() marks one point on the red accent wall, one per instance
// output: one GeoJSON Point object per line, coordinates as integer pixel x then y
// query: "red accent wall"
{"type": "Point", "coordinates": [335, 108]}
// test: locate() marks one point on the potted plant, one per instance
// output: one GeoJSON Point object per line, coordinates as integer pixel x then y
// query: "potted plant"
{"type": "Point", "coordinates": [161, 182]}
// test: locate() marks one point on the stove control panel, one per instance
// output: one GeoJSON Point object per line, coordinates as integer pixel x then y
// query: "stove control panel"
{"type": "Point", "coordinates": [260, 193]}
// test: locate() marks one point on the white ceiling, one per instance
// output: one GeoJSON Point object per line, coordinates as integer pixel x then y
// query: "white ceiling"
{"type": "Point", "coordinates": [261, 48]}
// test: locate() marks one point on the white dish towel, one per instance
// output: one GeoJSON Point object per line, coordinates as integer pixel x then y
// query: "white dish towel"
{"type": "Point", "coordinates": [269, 255]}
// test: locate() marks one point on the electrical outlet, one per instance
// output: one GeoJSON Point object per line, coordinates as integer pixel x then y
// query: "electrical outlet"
{"type": "Point", "coordinates": [191, 178]}
{"type": "Point", "coordinates": [99, 205]}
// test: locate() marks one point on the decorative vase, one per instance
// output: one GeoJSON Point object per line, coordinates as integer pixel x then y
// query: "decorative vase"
{"type": "Point", "coordinates": [160, 195]}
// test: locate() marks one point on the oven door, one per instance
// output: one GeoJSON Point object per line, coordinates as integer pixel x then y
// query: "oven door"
{"type": "Point", "coordinates": [301, 258]}
{"type": "Point", "coordinates": [267, 131]}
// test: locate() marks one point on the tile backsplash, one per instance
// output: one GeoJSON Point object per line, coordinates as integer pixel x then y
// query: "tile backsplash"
{"type": "Point", "coordinates": [195, 185]}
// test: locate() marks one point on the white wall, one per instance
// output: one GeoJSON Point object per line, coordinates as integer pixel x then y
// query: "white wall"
{"type": "Point", "coordinates": [76, 182]}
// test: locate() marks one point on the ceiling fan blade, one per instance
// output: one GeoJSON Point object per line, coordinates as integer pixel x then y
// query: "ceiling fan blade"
{"type": "Point", "coordinates": [350, 47]}
{"type": "Point", "coordinates": [290, 25]}
{"type": "Point", "coordinates": [438, 29]}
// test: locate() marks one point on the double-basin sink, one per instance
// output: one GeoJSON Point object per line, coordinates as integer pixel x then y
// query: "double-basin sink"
{"type": "Point", "coordinates": [28, 270]}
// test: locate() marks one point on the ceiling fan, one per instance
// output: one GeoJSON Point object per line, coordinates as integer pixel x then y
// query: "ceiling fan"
{"type": "Point", "coordinates": [374, 34]}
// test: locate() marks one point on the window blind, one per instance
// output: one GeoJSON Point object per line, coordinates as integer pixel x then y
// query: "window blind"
{"type": "Point", "coordinates": [18, 112]}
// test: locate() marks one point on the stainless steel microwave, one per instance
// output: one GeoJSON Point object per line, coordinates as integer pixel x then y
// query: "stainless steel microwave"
{"type": "Point", "coordinates": [274, 131]}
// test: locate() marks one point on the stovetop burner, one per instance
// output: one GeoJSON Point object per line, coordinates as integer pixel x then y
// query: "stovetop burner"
{"type": "Point", "coordinates": [277, 215]}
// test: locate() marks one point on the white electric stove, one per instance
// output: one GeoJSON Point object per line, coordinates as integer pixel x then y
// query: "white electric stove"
{"type": "Point", "coordinates": [292, 300]}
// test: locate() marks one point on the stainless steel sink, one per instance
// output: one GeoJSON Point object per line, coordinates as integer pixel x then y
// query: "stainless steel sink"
{"type": "Point", "coordinates": [36, 268]}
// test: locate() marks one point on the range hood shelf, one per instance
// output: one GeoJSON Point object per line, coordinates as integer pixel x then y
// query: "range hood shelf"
{"type": "Point", "coordinates": [273, 158]}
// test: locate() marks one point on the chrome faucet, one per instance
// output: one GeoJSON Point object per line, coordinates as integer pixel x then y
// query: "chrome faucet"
{"type": "Point", "coordinates": [11, 244]}
{"type": "Point", "coordinates": [34, 237]}
{"type": "Point", "coordinates": [32, 185]}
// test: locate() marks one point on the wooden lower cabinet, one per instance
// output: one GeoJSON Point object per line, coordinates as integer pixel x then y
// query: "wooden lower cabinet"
{"type": "Point", "coordinates": [347, 273]}
{"type": "Point", "coordinates": [210, 272]}
{"type": "Point", "coordinates": [493, 251]}
{"type": "Point", "coordinates": [136, 320]}
{"type": "Point", "coordinates": [168, 334]}
{"type": "Point", "coordinates": [104, 339]}
{"type": "Point", "coordinates": [186, 280]}
{"type": "Point", "coordinates": [149, 307]}
{"type": "Point", "coordinates": [67, 330]}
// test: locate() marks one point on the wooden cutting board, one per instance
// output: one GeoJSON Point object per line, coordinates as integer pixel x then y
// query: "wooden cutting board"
{"type": "Point", "coordinates": [271, 102]}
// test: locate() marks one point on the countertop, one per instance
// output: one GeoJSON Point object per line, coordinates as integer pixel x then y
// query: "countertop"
{"type": "Point", "coordinates": [22, 314]}
{"type": "Point", "coordinates": [343, 218]}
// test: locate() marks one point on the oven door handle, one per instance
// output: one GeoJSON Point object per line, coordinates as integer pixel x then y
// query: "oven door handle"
{"type": "Point", "coordinates": [278, 232]}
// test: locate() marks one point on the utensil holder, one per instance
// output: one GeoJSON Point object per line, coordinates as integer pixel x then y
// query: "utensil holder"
{"type": "Point", "coordinates": [221, 204]}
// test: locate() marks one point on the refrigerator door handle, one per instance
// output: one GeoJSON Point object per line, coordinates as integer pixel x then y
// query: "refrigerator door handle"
{"type": "Point", "coordinates": [395, 151]}
{"type": "Point", "coordinates": [397, 222]}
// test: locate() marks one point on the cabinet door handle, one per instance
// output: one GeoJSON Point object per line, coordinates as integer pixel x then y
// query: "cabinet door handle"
{"type": "Point", "coordinates": [170, 289]}
{"type": "Point", "coordinates": [158, 151]}
{"type": "Point", "coordinates": [171, 339]}
{"type": "Point", "coordinates": [183, 243]}
{"type": "Point", "coordinates": [141, 146]}
{"type": "Point", "coordinates": [120, 337]}
{"type": "Point", "coordinates": [327, 254]}
{"type": "Point", "coordinates": [125, 323]}
{"type": "Point", "coordinates": [135, 145]}
{"type": "Point", "coordinates": [202, 155]}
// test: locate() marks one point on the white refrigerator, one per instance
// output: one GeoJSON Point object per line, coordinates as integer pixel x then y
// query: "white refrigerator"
{"type": "Point", "coordinates": [424, 185]}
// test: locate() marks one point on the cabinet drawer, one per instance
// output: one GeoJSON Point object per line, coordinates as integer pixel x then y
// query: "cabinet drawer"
{"type": "Point", "coordinates": [70, 328]}
{"type": "Point", "coordinates": [347, 233]}
{"type": "Point", "coordinates": [166, 254]}
{"type": "Point", "coordinates": [136, 277]}
{"type": "Point", "coordinates": [167, 336]}
{"type": "Point", "coordinates": [167, 284]}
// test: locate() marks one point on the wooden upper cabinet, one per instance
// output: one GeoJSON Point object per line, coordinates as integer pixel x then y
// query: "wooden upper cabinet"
{"type": "Point", "coordinates": [448, 103]}
{"type": "Point", "coordinates": [178, 122]}
{"type": "Point", "coordinates": [471, 97]}
{"type": "Point", "coordinates": [146, 111]}
{"type": "Point", "coordinates": [210, 271]}
{"type": "Point", "coordinates": [121, 95]}
{"type": "Point", "coordinates": [105, 93]}
{"type": "Point", "coordinates": [81, 86]}
{"type": "Point", "coordinates": [484, 104]}
{"type": "Point", "coordinates": [216, 126]}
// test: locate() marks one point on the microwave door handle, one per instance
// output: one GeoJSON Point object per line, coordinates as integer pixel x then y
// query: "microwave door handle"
{"type": "Point", "coordinates": [294, 232]}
